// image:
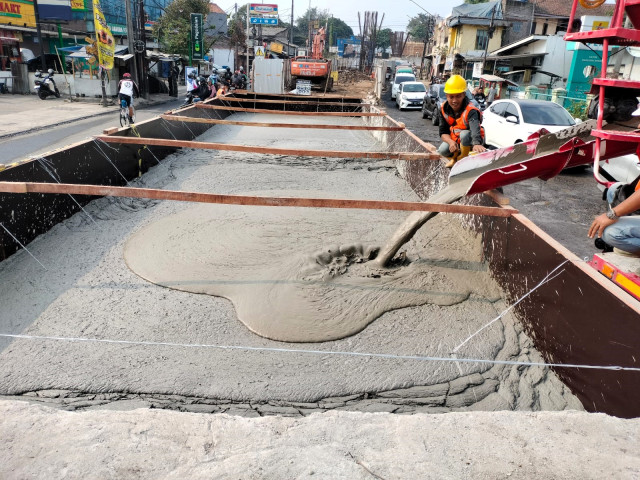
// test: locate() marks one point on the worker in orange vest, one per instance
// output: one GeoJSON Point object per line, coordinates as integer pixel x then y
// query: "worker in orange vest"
{"type": "Point", "coordinates": [459, 122]}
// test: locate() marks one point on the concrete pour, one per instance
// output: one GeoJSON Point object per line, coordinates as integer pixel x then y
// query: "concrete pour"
{"type": "Point", "coordinates": [127, 340]}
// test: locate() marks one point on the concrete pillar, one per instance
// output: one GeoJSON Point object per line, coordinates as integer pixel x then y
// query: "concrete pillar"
{"type": "Point", "coordinates": [558, 96]}
{"type": "Point", "coordinates": [531, 92]}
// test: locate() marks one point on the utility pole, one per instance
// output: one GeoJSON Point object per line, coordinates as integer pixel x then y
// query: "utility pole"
{"type": "Point", "coordinates": [130, 39]}
{"type": "Point", "coordinates": [236, 60]}
{"type": "Point", "coordinates": [291, 33]}
{"type": "Point", "coordinates": [489, 35]}
{"type": "Point", "coordinates": [247, 59]}
{"type": "Point", "coordinates": [144, 78]}
{"type": "Point", "coordinates": [42, 61]}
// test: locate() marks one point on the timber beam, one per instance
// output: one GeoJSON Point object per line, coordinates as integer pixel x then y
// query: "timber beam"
{"type": "Point", "coordinates": [177, 118]}
{"type": "Point", "coordinates": [161, 142]}
{"type": "Point", "coordinates": [155, 194]}
{"type": "Point", "coordinates": [290, 102]}
{"type": "Point", "coordinates": [290, 112]}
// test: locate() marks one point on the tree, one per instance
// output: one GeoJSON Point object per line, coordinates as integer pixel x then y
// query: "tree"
{"type": "Point", "coordinates": [173, 28]}
{"type": "Point", "coordinates": [418, 27]}
{"type": "Point", "coordinates": [337, 27]}
{"type": "Point", "coordinates": [237, 28]}
{"type": "Point", "coordinates": [383, 40]}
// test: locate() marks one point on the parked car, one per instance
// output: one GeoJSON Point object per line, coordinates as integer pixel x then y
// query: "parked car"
{"type": "Point", "coordinates": [404, 69]}
{"type": "Point", "coordinates": [410, 95]}
{"type": "Point", "coordinates": [434, 98]}
{"type": "Point", "coordinates": [400, 78]}
{"type": "Point", "coordinates": [507, 122]}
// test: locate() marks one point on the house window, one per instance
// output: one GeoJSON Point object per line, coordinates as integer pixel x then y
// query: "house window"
{"type": "Point", "coordinates": [482, 39]}
{"type": "Point", "coordinates": [544, 28]}
{"type": "Point", "coordinates": [533, 28]}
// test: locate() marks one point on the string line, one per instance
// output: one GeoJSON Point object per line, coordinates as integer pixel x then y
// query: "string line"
{"type": "Point", "coordinates": [322, 352]}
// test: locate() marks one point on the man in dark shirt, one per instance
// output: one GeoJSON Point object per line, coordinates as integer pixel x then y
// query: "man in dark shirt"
{"type": "Point", "coordinates": [459, 123]}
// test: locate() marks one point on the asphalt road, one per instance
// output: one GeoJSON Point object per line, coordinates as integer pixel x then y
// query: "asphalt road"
{"type": "Point", "coordinates": [563, 207]}
{"type": "Point", "coordinates": [20, 147]}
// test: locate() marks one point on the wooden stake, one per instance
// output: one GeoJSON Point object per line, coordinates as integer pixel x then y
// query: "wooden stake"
{"type": "Point", "coordinates": [177, 118]}
{"type": "Point", "coordinates": [292, 102]}
{"type": "Point", "coordinates": [150, 193]}
{"type": "Point", "coordinates": [289, 112]}
{"type": "Point", "coordinates": [268, 150]}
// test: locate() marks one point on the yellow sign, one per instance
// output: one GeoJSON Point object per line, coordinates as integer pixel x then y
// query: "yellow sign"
{"type": "Point", "coordinates": [19, 13]}
{"type": "Point", "coordinates": [77, 4]}
{"type": "Point", "coordinates": [275, 47]}
{"type": "Point", "coordinates": [598, 25]}
{"type": "Point", "coordinates": [105, 42]}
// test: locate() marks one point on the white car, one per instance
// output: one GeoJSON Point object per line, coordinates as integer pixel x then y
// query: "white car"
{"type": "Point", "coordinates": [507, 122]}
{"type": "Point", "coordinates": [410, 95]}
{"type": "Point", "coordinates": [400, 78]}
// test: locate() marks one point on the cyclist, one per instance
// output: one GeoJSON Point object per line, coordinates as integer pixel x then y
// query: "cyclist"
{"type": "Point", "coordinates": [127, 89]}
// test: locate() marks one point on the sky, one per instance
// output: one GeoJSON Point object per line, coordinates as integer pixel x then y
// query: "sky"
{"type": "Point", "coordinates": [397, 13]}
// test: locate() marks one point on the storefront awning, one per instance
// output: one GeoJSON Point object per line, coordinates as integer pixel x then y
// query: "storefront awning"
{"type": "Point", "coordinates": [9, 37]}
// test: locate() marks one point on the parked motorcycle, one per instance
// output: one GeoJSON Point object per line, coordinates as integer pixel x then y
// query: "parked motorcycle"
{"type": "Point", "coordinates": [46, 86]}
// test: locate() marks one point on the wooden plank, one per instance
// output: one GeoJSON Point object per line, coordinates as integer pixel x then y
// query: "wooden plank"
{"type": "Point", "coordinates": [291, 112]}
{"type": "Point", "coordinates": [319, 98]}
{"type": "Point", "coordinates": [268, 150]}
{"type": "Point", "coordinates": [177, 118]}
{"type": "Point", "coordinates": [291, 102]}
{"type": "Point", "coordinates": [106, 190]}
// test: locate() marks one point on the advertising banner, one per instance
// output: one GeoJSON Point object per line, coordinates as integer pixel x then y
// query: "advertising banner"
{"type": "Point", "coordinates": [17, 13]}
{"type": "Point", "coordinates": [259, 9]}
{"type": "Point", "coordinates": [54, 10]}
{"type": "Point", "coordinates": [477, 70]}
{"type": "Point", "coordinates": [104, 39]}
{"type": "Point", "coordinates": [197, 45]}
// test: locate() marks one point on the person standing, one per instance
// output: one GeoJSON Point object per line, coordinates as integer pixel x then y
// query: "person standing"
{"type": "Point", "coordinates": [492, 93]}
{"type": "Point", "coordinates": [459, 125]}
{"type": "Point", "coordinates": [174, 71]}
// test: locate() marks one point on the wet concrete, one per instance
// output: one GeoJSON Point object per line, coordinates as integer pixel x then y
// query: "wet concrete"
{"type": "Point", "coordinates": [151, 345]}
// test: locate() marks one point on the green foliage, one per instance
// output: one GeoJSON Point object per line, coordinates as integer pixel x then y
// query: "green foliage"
{"type": "Point", "coordinates": [173, 28]}
{"type": "Point", "coordinates": [420, 27]}
{"type": "Point", "coordinates": [383, 39]}
{"type": "Point", "coordinates": [578, 109]}
{"type": "Point", "coordinates": [238, 26]}
{"type": "Point", "coordinates": [336, 27]}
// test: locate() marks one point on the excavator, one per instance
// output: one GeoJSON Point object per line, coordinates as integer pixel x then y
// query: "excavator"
{"type": "Point", "coordinates": [610, 133]}
{"type": "Point", "coordinates": [315, 68]}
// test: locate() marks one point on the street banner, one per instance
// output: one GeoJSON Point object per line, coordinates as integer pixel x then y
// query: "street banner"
{"type": "Point", "coordinates": [197, 46]}
{"type": "Point", "coordinates": [54, 10]}
{"type": "Point", "coordinates": [477, 70]}
{"type": "Point", "coordinates": [275, 47]}
{"type": "Point", "coordinates": [17, 12]}
{"type": "Point", "coordinates": [104, 39]}
{"type": "Point", "coordinates": [259, 9]}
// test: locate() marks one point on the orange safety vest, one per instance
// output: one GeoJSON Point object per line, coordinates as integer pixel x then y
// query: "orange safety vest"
{"type": "Point", "coordinates": [457, 125]}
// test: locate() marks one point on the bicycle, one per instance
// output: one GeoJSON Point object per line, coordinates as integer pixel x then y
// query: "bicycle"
{"type": "Point", "coordinates": [124, 114]}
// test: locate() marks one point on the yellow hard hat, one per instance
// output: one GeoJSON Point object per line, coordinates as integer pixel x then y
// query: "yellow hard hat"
{"type": "Point", "coordinates": [455, 84]}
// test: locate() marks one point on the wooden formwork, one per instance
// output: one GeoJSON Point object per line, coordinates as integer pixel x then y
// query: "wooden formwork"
{"type": "Point", "coordinates": [577, 318]}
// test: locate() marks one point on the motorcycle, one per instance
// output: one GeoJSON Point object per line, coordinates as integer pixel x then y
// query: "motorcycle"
{"type": "Point", "coordinates": [46, 86]}
{"type": "Point", "coordinates": [482, 102]}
